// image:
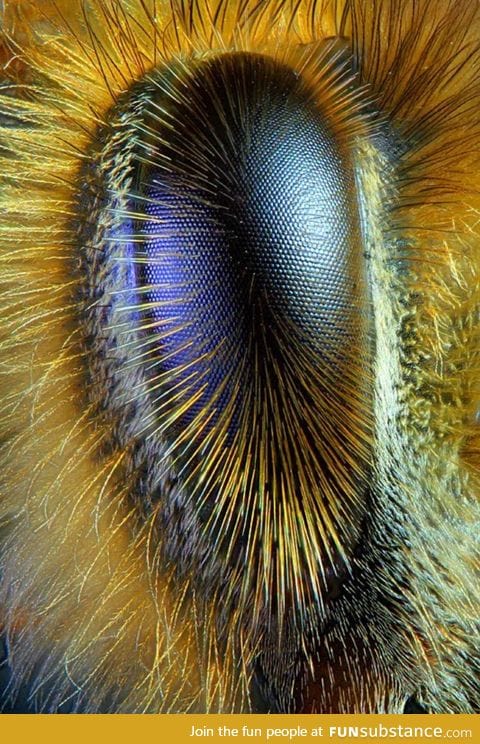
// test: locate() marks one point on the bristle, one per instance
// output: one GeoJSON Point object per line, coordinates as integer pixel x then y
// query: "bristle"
{"type": "Point", "coordinates": [118, 591]}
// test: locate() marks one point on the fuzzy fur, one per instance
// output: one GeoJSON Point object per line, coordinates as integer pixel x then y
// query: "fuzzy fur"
{"type": "Point", "coordinates": [96, 615]}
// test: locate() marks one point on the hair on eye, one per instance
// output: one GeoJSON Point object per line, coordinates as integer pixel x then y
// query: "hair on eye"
{"type": "Point", "coordinates": [239, 324]}
{"type": "Point", "coordinates": [242, 302]}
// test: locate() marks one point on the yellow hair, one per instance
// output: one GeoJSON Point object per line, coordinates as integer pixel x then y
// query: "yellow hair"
{"type": "Point", "coordinates": [95, 619]}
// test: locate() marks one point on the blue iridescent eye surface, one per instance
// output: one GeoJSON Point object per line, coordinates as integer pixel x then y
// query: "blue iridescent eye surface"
{"type": "Point", "coordinates": [250, 227]}
{"type": "Point", "coordinates": [230, 313]}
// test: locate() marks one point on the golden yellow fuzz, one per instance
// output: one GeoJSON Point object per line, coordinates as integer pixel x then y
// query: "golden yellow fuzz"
{"type": "Point", "coordinates": [94, 616]}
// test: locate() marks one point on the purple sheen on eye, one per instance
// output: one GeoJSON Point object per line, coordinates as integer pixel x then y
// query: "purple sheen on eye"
{"type": "Point", "coordinates": [251, 228]}
{"type": "Point", "coordinates": [194, 301]}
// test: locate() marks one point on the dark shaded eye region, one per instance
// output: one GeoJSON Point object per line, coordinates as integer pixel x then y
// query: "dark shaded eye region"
{"type": "Point", "coordinates": [251, 226]}
{"type": "Point", "coordinates": [229, 310]}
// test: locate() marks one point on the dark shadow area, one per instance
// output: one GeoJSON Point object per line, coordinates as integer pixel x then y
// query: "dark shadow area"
{"type": "Point", "coordinates": [413, 706]}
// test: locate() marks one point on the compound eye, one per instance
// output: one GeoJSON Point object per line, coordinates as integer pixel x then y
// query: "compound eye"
{"type": "Point", "coordinates": [250, 237]}
{"type": "Point", "coordinates": [236, 320]}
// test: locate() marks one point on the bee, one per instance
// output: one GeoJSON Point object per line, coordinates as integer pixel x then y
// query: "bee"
{"type": "Point", "coordinates": [240, 374]}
